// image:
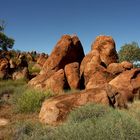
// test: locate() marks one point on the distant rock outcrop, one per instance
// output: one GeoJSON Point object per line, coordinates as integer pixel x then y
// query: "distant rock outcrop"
{"type": "Point", "coordinates": [4, 68]}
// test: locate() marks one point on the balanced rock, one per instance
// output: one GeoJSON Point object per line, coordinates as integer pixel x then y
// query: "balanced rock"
{"type": "Point", "coordinates": [68, 49]}
{"type": "Point", "coordinates": [93, 72]}
{"type": "Point", "coordinates": [72, 72]}
{"type": "Point", "coordinates": [105, 45]}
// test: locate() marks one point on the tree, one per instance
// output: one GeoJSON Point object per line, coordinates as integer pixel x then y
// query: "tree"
{"type": "Point", "coordinates": [130, 52]}
{"type": "Point", "coordinates": [5, 42]}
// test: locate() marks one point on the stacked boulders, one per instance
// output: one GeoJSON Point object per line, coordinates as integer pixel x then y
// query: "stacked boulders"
{"type": "Point", "coordinates": [64, 59]}
{"type": "Point", "coordinates": [21, 68]}
{"type": "Point", "coordinates": [99, 74]}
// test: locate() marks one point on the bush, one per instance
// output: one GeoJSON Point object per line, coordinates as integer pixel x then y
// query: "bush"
{"type": "Point", "coordinates": [9, 88]}
{"type": "Point", "coordinates": [84, 123]}
{"type": "Point", "coordinates": [112, 125]}
{"type": "Point", "coordinates": [30, 101]}
{"type": "Point", "coordinates": [86, 112]}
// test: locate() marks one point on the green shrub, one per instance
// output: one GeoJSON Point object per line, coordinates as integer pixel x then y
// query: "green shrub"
{"type": "Point", "coordinates": [27, 130]}
{"type": "Point", "coordinates": [30, 100]}
{"type": "Point", "coordinates": [33, 69]}
{"type": "Point", "coordinates": [88, 122]}
{"type": "Point", "coordinates": [87, 111]}
{"type": "Point", "coordinates": [10, 88]}
{"type": "Point", "coordinates": [7, 83]}
{"type": "Point", "coordinates": [113, 125]}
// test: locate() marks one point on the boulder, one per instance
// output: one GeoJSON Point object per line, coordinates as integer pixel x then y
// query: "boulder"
{"type": "Point", "coordinates": [56, 109]}
{"type": "Point", "coordinates": [42, 59]}
{"type": "Point", "coordinates": [57, 82]}
{"type": "Point", "coordinates": [12, 64]}
{"type": "Point", "coordinates": [91, 57]}
{"type": "Point", "coordinates": [117, 68]}
{"type": "Point", "coordinates": [38, 81]}
{"type": "Point", "coordinates": [127, 84]}
{"type": "Point", "coordinates": [96, 75]}
{"type": "Point", "coordinates": [105, 45]}
{"type": "Point", "coordinates": [21, 62]}
{"type": "Point", "coordinates": [92, 70]}
{"type": "Point", "coordinates": [72, 72]}
{"type": "Point", "coordinates": [21, 74]}
{"type": "Point", "coordinates": [68, 49]}
{"type": "Point", "coordinates": [4, 68]}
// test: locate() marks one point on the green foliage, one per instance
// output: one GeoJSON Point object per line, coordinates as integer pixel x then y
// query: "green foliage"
{"type": "Point", "coordinates": [33, 69]}
{"type": "Point", "coordinates": [11, 88]}
{"type": "Point", "coordinates": [5, 42]}
{"type": "Point", "coordinates": [130, 52]}
{"type": "Point", "coordinates": [86, 112]}
{"type": "Point", "coordinates": [30, 101]}
{"type": "Point", "coordinates": [84, 123]}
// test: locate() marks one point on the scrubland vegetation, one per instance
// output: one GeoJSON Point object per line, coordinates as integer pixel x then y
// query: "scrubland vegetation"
{"type": "Point", "coordinates": [88, 122]}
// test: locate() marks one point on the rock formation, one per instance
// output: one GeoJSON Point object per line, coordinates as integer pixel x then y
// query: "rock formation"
{"type": "Point", "coordinates": [105, 45]}
{"type": "Point", "coordinates": [68, 50]}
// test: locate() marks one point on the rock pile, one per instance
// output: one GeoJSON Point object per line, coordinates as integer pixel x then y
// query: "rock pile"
{"type": "Point", "coordinates": [99, 74]}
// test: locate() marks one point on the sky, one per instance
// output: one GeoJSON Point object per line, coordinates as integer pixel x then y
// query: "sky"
{"type": "Point", "coordinates": [39, 24]}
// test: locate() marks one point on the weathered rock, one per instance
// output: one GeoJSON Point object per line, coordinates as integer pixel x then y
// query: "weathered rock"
{"type": "Point", "coordinates": [21, 62]}
{"type": "Point", "coordinates": [57, 82]}
{"type": "Point", "coordinates": [38, 81]}
{"type": "Point", "coordinates": [4, 68]}
{"type": "Point", "coordinates": [21, 74]}
{"type": "Point", "coordinates": [91, 57]}
{"type": "Point", "coordinates": [96, 75]}
{"type": "Point", "coordinates": [68, 49]}
{"type": "Point", "coordinates": [127, 84]}
{"type": "Point", "coordinates": [126, 65]}
{"type": "Point", "coordinates": [117, 68]}
{"type": "Point", "coordinates": [72, 72]}
{"type": "Point", "coordinates": [93, 72]}
{"type": "Point", "coordinates": [3, 122]}
{"type": "Point", "coordinates": [12, 64]}
{"type": "Point", "coordinates": [105, 45]}
{"type": "Point", "coordinates": [42, 59]}
{"type": "Point", "coordinates": [57, 108]}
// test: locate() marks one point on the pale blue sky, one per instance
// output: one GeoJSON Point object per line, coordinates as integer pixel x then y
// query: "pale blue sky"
{"type": "Point", "coordinates": [39, 24]}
